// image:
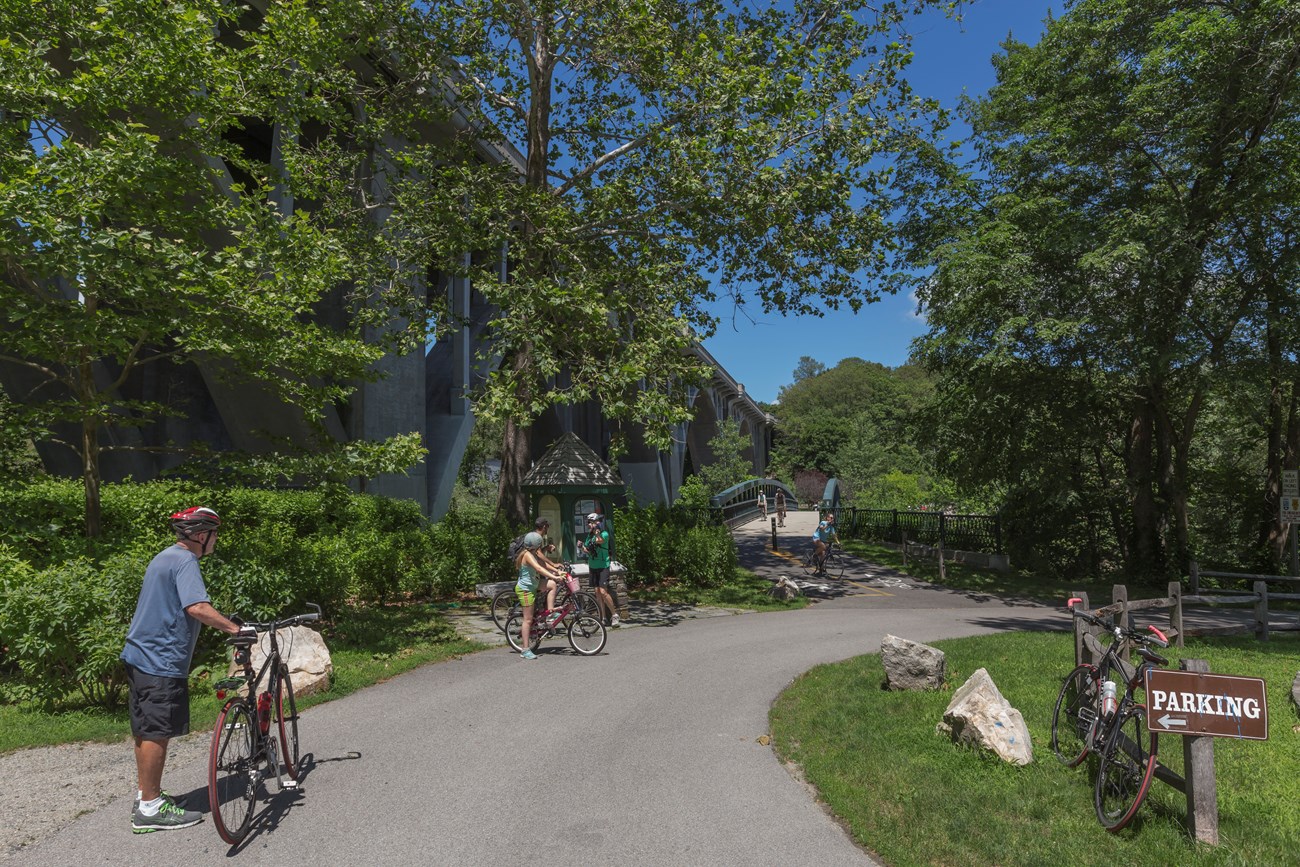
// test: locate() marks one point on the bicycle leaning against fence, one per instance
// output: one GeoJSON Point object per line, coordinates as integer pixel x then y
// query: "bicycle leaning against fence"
{"type": "Point", "coordinates": [586, 632]}
{"type": "Point", "coordinates": [1092, 716]}
{"type": "Point", "coordinates": [256, 735]}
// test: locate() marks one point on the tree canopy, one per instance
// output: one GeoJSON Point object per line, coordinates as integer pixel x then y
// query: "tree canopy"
{"type": "Point", "coordinates": [858, 422]}
{"type": "Point", "coordinates": [141, 226]}
{"type": "Point", "coordinates": [670, 151]}
{"type": "Point", "coordinates": [1120, 259]}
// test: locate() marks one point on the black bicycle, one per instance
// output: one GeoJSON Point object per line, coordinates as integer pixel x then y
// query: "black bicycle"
{"type": "Point", "coordinates": [830, 566]}
{"type": "Point", "coordinates": [256, 735]}
{"type": "Point", "coordinates": [1093, 715]}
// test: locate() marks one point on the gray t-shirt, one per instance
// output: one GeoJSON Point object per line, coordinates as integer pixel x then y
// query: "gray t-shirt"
{"type": "Point", "coordinates": [162, 636]}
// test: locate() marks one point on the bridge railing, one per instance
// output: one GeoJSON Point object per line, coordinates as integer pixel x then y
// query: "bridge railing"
{"type": "Point", "coordinates": [739, 503]}
{"type": "Point", "coordinates": [960, 532]}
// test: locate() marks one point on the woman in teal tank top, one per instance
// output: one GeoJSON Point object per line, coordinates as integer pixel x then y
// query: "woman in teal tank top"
{"type": "Point", "coordinates": [531, 569]}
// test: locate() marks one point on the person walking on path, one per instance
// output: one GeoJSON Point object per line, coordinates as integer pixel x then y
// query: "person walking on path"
{"type": "Point", "coordinates": [762, 503]}
{"type": "Point", "coordinates": [172, 608]}
{"type": "Point", "coordinates": [533, 567]}
{"type": "Point", "coordinates": [596, 545]}
{"type": "Point", "coordinates": [780, 508]}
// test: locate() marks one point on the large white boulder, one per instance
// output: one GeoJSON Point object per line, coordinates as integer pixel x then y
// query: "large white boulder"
{"type": "Point", "coordinates": [304, 650]}
{"type": "Point", "coordinates": [978, 715]}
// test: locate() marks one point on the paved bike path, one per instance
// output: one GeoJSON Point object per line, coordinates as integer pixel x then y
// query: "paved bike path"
{"type": "Point", "coordinates": [647, 754]}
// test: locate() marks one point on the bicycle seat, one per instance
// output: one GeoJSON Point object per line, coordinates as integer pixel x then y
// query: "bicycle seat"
{"type": "Point", "coordinates": [1152, 656]}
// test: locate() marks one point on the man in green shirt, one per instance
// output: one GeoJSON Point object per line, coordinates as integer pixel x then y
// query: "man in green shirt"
{"type": "Point", "coordinates": [597, 547]}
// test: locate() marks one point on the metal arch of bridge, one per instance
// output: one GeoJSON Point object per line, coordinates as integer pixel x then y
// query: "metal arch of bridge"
{"type": "Point", "coordinates": [739, 503]}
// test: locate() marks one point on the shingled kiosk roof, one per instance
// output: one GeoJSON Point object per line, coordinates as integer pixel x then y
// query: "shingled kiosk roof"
{"type": "Point", "coordinates": [571, 463]}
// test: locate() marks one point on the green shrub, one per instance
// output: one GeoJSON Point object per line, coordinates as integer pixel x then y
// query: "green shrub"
{"type": "Point", "coordinates": [654, 542]}
{"type": "Point", "coordinates": [468, 547]}
{"type": "Point", "coordinates": [65, 626]}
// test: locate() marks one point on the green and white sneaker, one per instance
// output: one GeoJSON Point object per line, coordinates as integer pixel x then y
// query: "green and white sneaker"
{"type": "Point", "coordinates": [168, 818]}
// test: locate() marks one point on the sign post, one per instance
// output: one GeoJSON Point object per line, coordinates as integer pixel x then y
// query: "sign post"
{"type": "Point", "coordinates": [1201, 706]}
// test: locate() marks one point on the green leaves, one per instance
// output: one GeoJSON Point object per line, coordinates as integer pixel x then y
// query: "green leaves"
{"type": "Point", "coordinates": [1091, 282]}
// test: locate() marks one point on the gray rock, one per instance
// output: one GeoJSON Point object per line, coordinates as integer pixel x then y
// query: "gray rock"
{"type": "Point", "coordinates": [979, 716]}
{"type": "Point", "coordinates": [784, 589]}
{"type": "Point", "coordinates": [1295, 693]}
{"type": "Point", "coordinates": [909, 665]}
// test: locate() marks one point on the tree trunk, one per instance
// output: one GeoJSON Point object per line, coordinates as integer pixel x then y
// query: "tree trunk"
{"type": "Point", "coordinates": [90, 476]}
{"type": "Point", "coordinates": [1271, 540]}
{"type": "Point", "coordinates": [516, 445]}
{"type": "Point", "coordinates": [1144, 554]}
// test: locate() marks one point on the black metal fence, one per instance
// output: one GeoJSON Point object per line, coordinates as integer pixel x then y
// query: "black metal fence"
{"type": "Point", "coordinates": [953, 532]}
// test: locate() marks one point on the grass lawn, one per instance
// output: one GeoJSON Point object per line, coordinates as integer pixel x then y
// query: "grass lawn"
{"type": "Point", "coordinates": [1010, 585]}
{"type": "Point", "coordinates": [744, 590]}
{"type": "Point", "coordinates": [368, 645]}
{"type": "Point", "coordinates": [914, 798]}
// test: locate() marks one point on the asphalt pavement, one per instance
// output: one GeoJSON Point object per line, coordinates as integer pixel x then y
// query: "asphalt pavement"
{"type": "Point", "coordinates": [649, 753]}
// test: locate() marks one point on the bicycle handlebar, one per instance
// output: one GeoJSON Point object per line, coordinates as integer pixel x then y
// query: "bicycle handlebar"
{"type": "Point", "coordinates": [274, 625]}
{"type": "Point", "coordinates": [1159, 639]}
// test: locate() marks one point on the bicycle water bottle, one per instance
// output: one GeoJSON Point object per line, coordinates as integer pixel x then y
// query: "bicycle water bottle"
{"type": "Point", "coordinates": [264, 711]}
{"type": "Point", "coordinates": [1108, 701]}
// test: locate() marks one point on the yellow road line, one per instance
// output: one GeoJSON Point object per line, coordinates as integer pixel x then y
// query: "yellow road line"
{"type": "Point", "coordinates": [874, 591]}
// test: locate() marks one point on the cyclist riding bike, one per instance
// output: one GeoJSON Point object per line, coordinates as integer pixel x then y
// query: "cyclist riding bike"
{"type": "Point", "coordinates": [823, 537]}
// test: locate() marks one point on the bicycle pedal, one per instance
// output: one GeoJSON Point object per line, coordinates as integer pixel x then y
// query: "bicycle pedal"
{"type": "Point", "coordinates": [290, 783]}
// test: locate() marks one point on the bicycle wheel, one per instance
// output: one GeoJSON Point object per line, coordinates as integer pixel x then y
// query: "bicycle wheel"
{"type": "Point", "coordinates": [587, 635]}
{"type": "Point", "coordinates": [232, 777]}
{"type": "Point", "coordinates": [286, 716]}
{"type": "Point", "coordinates": [514, 633]}
{"type": "Point", "coordinates": [1074, 715]}
{"type": "Point", "coordinates": [809, 563]}
{"type": "Point", "coordinates": [1128, 761]}
{"type": "Point", "coordinates": [585, 603]}
{"type": "Point", "coordinates": [504, 604]}
{"type": "Point", "coordinates": [833, 565]}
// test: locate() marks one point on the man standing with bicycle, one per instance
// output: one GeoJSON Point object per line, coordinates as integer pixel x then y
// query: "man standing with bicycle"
{"type": "Point", "coordinates": [172, 608]}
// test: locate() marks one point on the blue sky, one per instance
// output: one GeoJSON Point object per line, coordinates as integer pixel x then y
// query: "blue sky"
{"type": "Point", "coordinates": [950, 59]}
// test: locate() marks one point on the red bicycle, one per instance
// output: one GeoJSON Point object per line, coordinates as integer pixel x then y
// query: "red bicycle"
{"type": "Point", "coordinates": [585, 631]}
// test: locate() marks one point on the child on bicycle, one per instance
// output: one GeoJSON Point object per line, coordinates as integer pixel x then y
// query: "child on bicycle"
{"type": "Point", "coordinates": [533, 568]}
{"type": "Point", "coordinates": [824, 536]}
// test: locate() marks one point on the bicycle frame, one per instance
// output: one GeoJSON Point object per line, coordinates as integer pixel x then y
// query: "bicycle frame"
{"type": "Point", "coordinates": [245, 752]}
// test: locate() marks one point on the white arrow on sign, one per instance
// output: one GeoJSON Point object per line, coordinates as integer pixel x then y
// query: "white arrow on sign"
{"type": "Point", "coordinates": [1168, 721]}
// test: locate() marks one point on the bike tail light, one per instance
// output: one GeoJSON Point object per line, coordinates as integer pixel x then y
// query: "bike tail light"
{"type": "Point", "coordinates": [221, 693]}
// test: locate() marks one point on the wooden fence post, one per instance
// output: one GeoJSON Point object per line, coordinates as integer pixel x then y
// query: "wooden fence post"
{"type": "Point", "coordinates": [1261, 610]}
{"type": "Point", "coordinates": [1176, 612]}
{"type": "Point", "coordinates": [1194, 577]}
{"type": "Point", "coordinates": [1198, 765]}
{"type": "Point", "coordinates": [1078, 626]}
{"type": "Point", "coordinates": [1119, 594]}
{"type": "Point", "coordinates": [904, 545]}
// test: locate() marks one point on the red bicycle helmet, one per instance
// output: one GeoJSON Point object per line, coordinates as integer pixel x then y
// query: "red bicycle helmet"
{"type": "Point", "coordinates": [195, 519]}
